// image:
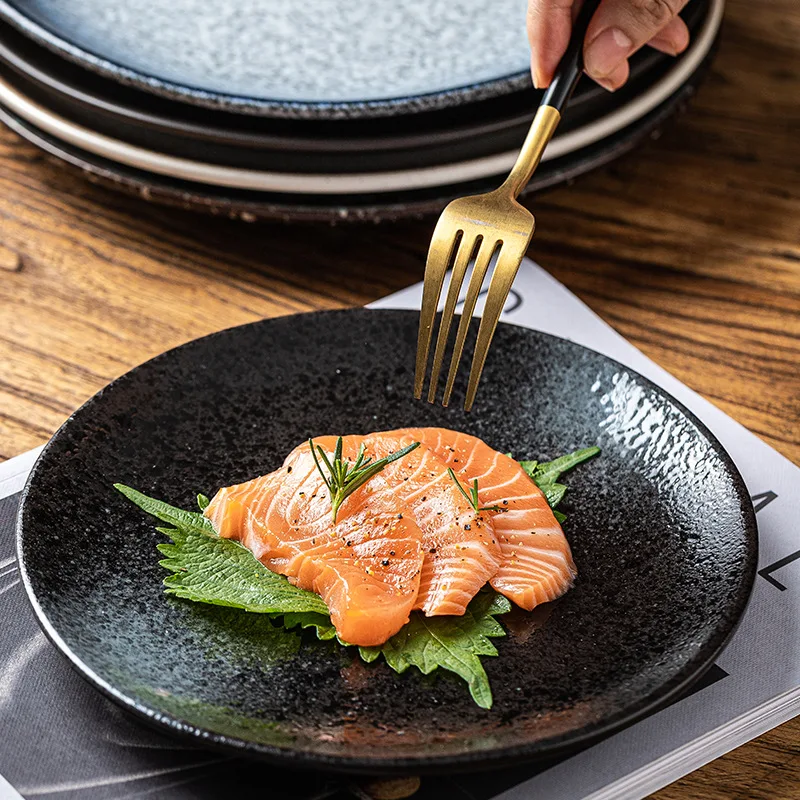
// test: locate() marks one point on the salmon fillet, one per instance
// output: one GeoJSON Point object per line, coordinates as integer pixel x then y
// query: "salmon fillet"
{"type": "Point", "coordinates": [408, 538]}
{"type": "Point", "coordinates": [461, 552]}
{"type": "Point", "coordinates": [366, 567]}
{"type": "Point", "coordinates": [537, 563]}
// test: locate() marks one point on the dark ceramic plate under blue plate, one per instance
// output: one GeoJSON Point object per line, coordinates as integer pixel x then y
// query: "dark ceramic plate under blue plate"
{"type": "Point", "coordinates": [252, 206]}
{"type": "Point", "coordinates": [661, 526]}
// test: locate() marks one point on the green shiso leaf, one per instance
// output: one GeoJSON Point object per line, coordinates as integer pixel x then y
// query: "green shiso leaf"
{"type": "Point", "coordinates": [550, 471]}
{"type": "Point", "coordinates": [219, 571]}
{"type": "Point", "coordinates": [185, 520]}
{"type": "Point", "coordinates": [452, 643]}
{"type": "Point", "coordinates": [545, 475]}
{"type": "Point", "coordinates": [205, 568]}
{"type": "Point", "coordinates": [310, 619]}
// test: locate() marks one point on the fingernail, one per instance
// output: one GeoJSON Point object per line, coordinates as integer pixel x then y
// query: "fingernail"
{"type": "Point", "coordinates": [664, 45]}
{"type": "Point", "coordinates": [616, 79]}
{"type": "Point", "coordinates": [667, 43]}
{"type": "Point", "coordinates": [606, 52]}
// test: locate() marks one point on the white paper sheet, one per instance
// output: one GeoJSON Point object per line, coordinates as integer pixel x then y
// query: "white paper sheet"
{"type": "Point", "coordinates": [762, 687]}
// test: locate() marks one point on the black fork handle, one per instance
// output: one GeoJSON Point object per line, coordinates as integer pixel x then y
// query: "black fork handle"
{"type": "Point", "coordinates": [570, 68]}
{"type": "Point", "coordinates": [557, 95]}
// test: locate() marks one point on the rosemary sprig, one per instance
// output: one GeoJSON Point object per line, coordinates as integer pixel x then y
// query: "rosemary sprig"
{"type": "Point", "coordinates": [472, 497]}
{"type": "Point", "coordinates": [344, 478]}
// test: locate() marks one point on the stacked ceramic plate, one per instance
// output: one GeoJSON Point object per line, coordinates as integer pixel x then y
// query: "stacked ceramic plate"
{"type": "Point", "coordinates": [319, 110]}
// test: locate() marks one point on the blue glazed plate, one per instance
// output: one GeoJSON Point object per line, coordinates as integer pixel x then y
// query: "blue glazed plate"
{"type": "Point", "coordinates": [313, 60]}
{"type": "Point", "coordinates": [317, 57]}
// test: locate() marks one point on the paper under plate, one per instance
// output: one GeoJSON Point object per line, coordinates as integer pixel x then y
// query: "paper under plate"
{"type": "Point", "coordinates": [756, 681]}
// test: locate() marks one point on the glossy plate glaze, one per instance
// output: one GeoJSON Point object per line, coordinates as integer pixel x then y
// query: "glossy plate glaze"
{"type": "Point", "coordinates": [662, 530]}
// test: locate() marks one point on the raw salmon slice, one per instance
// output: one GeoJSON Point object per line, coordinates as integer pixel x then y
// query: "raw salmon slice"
{"type": "Point", "coordinates": [366, 567]}
{"type": "Point", "coordinates": [461, 552]}
{"type": "Point", "coordinates": [537, 564]}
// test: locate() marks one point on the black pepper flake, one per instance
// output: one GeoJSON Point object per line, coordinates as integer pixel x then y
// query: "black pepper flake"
{"type": "Point", "coordinates": [455, 461]}
{"type": "Point", "coordinates": [405, 479]}
{"type": "Point", "coordinates": [391, 552]}
{"type": "Point", "coordinates": [385, 562]}
{"type": "Point", "coordinates": [468, 527]}
{"type": "Point", "coordinates": [399, 516]}
{"type": "Point", "coordinates": [424, 499]}
{"type": "Point", "coordinates": [505, 502]}
{"type": "Point", "coordinates": [349, 543]}
{"type": "Point", "coordinates": [432, 550]}
{"type": "Point", "coordinates": [313, 541]}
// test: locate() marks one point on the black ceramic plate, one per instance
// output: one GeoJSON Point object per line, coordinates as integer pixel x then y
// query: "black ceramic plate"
{"type": "Point", "coordinates": [351, 60]}
{"type": "Point", "coordinates": [662, 530]}
{"type": "Point", "coordinates": [169, 126]}
{"type": "Point", "coordinates": [253, 206]}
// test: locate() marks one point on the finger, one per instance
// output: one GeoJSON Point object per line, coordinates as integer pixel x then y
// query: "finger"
{"type": "Point", "coordinates": [549, 27]}
{"type": "Point", "coordinates": [620, 27]}
{"type": "Point", "coordinates": [673, 39]}
{"type": "Point", "coordinates": [616, 79]}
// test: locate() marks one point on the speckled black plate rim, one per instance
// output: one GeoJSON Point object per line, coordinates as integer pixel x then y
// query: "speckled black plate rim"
{"type": "Point", "coordinates": [471, 761]}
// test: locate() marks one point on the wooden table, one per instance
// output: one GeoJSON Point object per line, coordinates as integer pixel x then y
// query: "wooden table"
{"type": "Point", "coordinates": [689, 246]}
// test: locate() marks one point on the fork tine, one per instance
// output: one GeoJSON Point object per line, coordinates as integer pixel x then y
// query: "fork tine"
{"type": "Point", "coordinates": [482, 261]}
{"type": "Point", "coordinates": [463, 256]}
{"type": "Point", "coordinates": [504, 273]}
{"type": "Point", "coordinates": [440, 253]}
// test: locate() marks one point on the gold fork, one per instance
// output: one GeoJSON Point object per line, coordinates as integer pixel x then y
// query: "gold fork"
{"type": "Point", "coordinates": [483, 225]}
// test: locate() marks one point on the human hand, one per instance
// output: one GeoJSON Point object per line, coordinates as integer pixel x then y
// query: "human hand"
{"type": "Point", "coordinates": [617, 30]}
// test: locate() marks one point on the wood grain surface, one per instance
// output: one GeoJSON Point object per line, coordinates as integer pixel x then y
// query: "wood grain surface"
{"type": "Point", "coordinates": [690, 247]}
